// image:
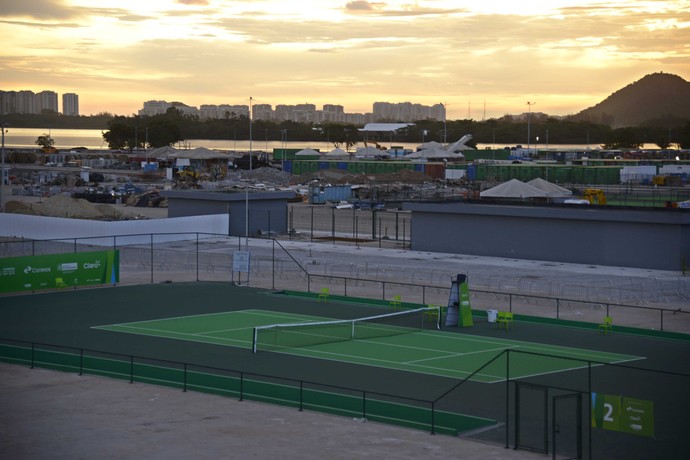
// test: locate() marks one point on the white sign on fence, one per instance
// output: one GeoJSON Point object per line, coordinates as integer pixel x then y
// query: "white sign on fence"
{"type": "Point", "coordinates": [240, 261]}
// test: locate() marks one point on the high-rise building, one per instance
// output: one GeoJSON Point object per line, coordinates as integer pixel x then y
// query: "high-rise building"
{"type": "Point", "coordinates": [48, 101]}
{"type": "Point", "coordinates": [70, 104]}
{"type": "Point", "coordinates": [152, 108]}
{"type": "Point", "coordinates": [304, 113]}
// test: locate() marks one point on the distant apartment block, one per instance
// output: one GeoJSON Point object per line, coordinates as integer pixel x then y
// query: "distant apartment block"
{"type": "Point", "coordinates": [406, 111]}
{"type": "Point", "coordinates": [28, 102]}
{"type": "Point", "coordinates": [303, 113]}
{"type": "Point", "coordinates": [47, 101]}
{"type": "Point", "coordinates": [70, 104]}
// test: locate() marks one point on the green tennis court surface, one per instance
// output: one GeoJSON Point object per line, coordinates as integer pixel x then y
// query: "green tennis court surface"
{"type": "Point", "coordinates": [438, 353]}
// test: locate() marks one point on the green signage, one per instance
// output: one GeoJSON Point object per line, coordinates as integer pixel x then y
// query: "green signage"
{"type": "Point", "coordinates": [32, 273]}
{"type": "Point", "coordinates": [620, 413]}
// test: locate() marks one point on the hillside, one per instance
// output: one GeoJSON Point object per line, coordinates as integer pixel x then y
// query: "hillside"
{"type": "Point", "coordinates": [660, 97]}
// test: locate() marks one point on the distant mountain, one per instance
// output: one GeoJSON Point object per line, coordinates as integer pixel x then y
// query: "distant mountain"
{"type": "Point", "coordinates": [661, 99]}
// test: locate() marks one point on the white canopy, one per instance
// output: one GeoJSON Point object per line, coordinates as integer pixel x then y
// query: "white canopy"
{"type": "Point", "coordinates": [337, 153]}
{"type": "Point", "coordinates": [384, 127]}
{"type": "Point", "coordinates": [551, 190]}
{"type": "Point", "coordinates": [369, 152]}
{"type": "Point", "coordinates": [162, 153]}
{"type": "Point", "coordinates": [307, 152]}
{"type": "Point", "coordinates": [513, 189]}
{"type": "Point", "coordinates": [200, 153]}
{"type": "Point", "coordinates": [435, 153]}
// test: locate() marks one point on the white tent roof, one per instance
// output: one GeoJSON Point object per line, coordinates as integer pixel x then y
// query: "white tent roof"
{"type": "Point", "coordinates": [369, 152]}
{"type": "Point", "coordinates": [551, 190]}
{"type": "Point", "coordinates": [200, 153]}
{"type": "Point", "coordinates": [162, 153]}
{"type": "Point", "coordinates": [337, 153]}
{"type": "Point", "coordinates": [430, 145]}
{"type": "Point", "coordinates": [513, 189]}
{"type": "Point", "coordinates": [435, 153]}
{"type": "Point", "coordinates": [385, 127]}
{"type": "Point", "coordinates": [307, 152]}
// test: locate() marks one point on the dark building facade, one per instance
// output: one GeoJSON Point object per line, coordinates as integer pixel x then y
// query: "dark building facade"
{"type": "Point", "coordinates": [654, 238]}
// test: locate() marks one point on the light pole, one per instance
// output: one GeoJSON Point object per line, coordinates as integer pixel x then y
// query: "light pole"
{"type": "Point", "coordinates": [2, 168]}
{"type": "Point", "coordinates": [283, 137]}
{"type": "Point", "coordinates": [246, 190]}
{"type": "Point", "coordinates": [445, 131]}
{"type": "Point", "coordinates": [529, 119]}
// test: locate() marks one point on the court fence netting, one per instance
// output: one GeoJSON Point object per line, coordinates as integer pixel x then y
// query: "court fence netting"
{"type": "Point", "coordinates": [593, 410]}
{"type": "Point", "coordinates": [190, 257]}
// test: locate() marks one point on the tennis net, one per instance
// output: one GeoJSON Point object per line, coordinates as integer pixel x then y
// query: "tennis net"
{"type": "Point", "coordinates": [294, 335]}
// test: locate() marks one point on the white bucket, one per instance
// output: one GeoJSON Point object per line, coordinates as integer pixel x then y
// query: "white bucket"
{"type": "Point", "coordinates": [492, 315]}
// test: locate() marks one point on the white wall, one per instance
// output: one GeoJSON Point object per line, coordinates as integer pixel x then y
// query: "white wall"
{"type": "Point", "coordinates": [44, 228]}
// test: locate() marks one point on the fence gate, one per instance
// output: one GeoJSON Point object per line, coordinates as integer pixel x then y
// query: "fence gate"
{"type": "Point", "coordinates": [567, 426]}
{"type": "Point", "coordinates": [534, 422]}
{"type": "Point", "coordinates": [531, 416]}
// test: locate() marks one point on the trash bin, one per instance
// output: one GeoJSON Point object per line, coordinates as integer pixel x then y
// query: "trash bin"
{"type": "Point", "coordinates": [492, 315]}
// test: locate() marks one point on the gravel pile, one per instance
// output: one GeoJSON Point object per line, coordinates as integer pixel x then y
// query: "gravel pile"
{"type": "Point", "coordinates": [65, 206]}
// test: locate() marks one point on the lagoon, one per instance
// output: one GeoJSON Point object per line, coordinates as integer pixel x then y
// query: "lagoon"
{"type": "Point", "coordinates": [92, 139]}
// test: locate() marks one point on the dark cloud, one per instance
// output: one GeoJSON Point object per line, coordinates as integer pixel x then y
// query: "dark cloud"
{"type": "Point", "coordinates": [361, 5]}
{"type": "Point", "coordinates": [38, 9]}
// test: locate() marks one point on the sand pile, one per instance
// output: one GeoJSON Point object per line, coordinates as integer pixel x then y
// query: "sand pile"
{"type": "Point", "coordinates": [65, 206]}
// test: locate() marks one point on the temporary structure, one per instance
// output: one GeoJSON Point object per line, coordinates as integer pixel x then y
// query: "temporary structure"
{"type": "Point", "coordinates": [436, 154]}
{"type": "Point", "coordinates": [513, 189]}
{"type": "Point", "coordinates": [552, 190]}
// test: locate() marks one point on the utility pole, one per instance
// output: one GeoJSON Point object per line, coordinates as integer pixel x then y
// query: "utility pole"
{"type": "Point", "coordinates": [529, 117]}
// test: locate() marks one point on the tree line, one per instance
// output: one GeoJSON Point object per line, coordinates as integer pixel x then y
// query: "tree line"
{"type": "Point", "coordinates": [130, 132]}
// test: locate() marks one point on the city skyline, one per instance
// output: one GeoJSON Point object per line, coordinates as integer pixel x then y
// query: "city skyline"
{"type": "Point", "coordinates": [478, 59]}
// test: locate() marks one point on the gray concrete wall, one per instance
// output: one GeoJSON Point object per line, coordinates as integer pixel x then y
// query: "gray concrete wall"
{"type": "Point", "coordinates": [657, 239]}
{"type": "Point", "coordinates": [267, 210]}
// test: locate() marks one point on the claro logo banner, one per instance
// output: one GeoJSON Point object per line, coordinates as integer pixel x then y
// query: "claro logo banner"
{"type": "Point", "coordinates": [54, 271]}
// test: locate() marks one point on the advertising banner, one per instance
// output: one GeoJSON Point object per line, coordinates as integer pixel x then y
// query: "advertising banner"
{"type": "Point", "coordinates": [32, 273]}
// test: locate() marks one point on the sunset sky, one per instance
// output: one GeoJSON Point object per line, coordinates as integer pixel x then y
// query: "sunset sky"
{"type": "Point", "coordinates": [480, 58]}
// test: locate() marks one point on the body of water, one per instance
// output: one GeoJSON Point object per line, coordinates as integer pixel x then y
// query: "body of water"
{"type": "Point", "coordinates": [92, 139]}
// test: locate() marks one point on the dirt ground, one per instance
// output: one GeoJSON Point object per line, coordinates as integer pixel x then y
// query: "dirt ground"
{"type": "Point", "coordinates": [48, 414]}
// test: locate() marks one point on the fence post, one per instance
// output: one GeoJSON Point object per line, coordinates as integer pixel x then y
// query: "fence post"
{"type": "Point", "coordinates": [333, 224]}
{"type": "Point", "coordinates": [273, 266]}
{"type": "Point", "coordinates": [184, 384]}
{"type": "Point", "coordinates": [151, 257]}
{"type": "Point", "coordinates": [241, 386]}
{"type": "Point", "coordinates": [301, 395]}
{"type": "Point", "coordinates": [558, 308]}
{"type": "Point", "coordinates": [433, 418]}
{"type": "Point", "coordinates": [81, 361]}
{"type": "Point", "coordinates": [131, 369]}
{"type": "Point", "coordinates": [197, 256]}
{"type": "Point", "coordinates": [364, 405]}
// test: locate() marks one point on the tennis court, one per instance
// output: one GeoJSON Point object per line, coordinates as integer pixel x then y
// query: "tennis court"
{"type": "Point", "coordinates": [393, 347]}
{"type": "Point", "coordinates": [199, 337]}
